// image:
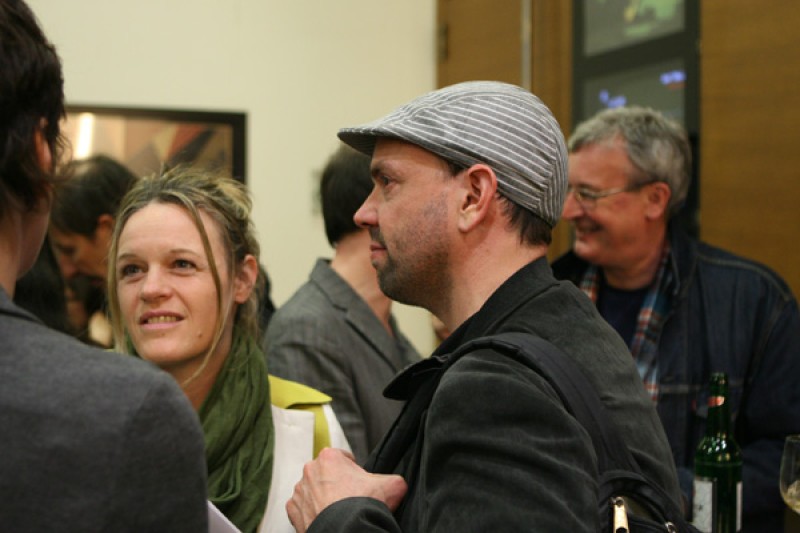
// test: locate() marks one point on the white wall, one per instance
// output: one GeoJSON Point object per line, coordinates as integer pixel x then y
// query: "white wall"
{"type": "Point", "coordinates": [300, 69]}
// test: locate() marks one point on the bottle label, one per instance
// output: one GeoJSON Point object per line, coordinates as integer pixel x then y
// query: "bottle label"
{"type": "Point", "coordinates": [703, 504]}
{"type": "Point", "coordinates": [704, 501]}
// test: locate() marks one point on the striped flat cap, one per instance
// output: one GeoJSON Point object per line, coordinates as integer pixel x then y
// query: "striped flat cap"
{"type": "Point", "coordinates": [494, 123]}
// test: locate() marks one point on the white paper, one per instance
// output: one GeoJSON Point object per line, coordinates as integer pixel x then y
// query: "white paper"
{"type": "Point", "coordinates": [218, 522]}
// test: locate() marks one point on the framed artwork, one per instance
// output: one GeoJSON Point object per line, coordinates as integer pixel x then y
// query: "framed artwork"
{"type": "Point", "coordinates": [146, 139]}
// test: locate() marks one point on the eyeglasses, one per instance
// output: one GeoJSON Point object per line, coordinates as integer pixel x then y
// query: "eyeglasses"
{"type": "Point", "coordinates": [588, 198]}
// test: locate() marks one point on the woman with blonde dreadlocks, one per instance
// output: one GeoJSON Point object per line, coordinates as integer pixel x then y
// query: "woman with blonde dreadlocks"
{"type": "Point", "coordinates": [183, 294]}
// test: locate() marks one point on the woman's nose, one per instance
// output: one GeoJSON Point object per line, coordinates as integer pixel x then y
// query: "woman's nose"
{"type": "Point", "coordinates": [154, 285]}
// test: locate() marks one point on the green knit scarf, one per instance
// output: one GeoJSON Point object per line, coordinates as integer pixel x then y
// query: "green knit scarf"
{"type": "Point", "coordinates": [237, 423]}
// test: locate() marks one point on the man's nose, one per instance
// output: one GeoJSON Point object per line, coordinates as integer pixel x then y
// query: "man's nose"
{"type": "Point", "coordinates": [572, 209]}
{"type": "Point", "coordinates": [366, 216]}
{"type": "Point", "coordinates": [67, 267]}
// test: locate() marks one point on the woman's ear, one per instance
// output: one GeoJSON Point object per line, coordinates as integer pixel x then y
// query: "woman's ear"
{"type": "Point", "coordinates": [479, 189]}
{"type": "Point", "coordinates": [104, 229]}
{"type": "Point", "coordinates": [245, 281]}
{"type": "Point", "coordinates": [43, 153]}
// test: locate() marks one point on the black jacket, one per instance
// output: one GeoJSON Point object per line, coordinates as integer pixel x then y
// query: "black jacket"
{"type": "Point", "coordinates": [494, 449]}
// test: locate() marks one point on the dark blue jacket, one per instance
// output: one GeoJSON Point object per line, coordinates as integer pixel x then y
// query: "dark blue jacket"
{"type": "Point", "coordinates": [733, 315]}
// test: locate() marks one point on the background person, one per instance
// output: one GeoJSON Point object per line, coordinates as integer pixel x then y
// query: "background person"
{"type": "Point", "coordinates": [468, 182]}
{"type": "Point", "coordinates": [183, 294]}
{"type": "Point", "coordinates": [337, 332]}
{"type": "Point", "coordinates": [82, 221]}
{"type": "Point", "coordinates": [686, 309]}
{"type": "Point", "coordinates": [91, 441]}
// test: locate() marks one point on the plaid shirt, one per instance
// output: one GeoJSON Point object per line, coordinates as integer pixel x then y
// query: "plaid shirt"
{"type": "Point", "coordinates": [644, 345]}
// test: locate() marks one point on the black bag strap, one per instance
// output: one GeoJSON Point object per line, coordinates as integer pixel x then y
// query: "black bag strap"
{"type": "Point", "coordinates": [573, 388]}
{"type": "Point", "coordinates": [619, 473]}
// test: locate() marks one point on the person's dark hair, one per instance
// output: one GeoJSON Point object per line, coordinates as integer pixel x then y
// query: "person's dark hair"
{"type": "Point", "coordinates": [31, 100]}
{"type": "Point", "coordinates": [42, 291]}
{"type": "Point", "coordinates": [531, 227]}
{"type": "Point", "coordinates": [89, 188]}
{"type": "Point", "coordinates": [345, 185]}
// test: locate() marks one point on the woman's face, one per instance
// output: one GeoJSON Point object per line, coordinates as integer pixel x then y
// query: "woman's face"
{"type": "Point", "coordinates": [166, 290]}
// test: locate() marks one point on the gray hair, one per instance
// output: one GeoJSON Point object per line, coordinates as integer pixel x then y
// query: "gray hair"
{"type": "Point", "coordinates": [656, 146]}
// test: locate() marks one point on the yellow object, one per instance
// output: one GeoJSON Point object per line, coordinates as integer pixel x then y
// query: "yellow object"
{"type": "Point", "coordinates": [291, 395]}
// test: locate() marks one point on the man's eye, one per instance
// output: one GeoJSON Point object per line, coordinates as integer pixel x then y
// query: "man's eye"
{"type": "Point", "coordinates": [588, 194]}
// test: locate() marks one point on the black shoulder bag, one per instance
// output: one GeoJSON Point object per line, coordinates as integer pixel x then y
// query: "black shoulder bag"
{"type": "Point", "coordinates": [627, 500]}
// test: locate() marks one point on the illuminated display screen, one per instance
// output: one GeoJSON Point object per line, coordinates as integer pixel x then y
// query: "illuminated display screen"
{"type": "Point", "coordinates": [660, 86]}
{"type": "Point", "coordinates": [613, 24]}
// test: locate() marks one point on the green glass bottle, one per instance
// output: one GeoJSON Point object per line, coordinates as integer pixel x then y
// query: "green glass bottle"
{"type": "Point", "coordinates": [717, 503]}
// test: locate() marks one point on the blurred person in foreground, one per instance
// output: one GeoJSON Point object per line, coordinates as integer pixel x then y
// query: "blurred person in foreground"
{"type": "Point", "coordinates": [685, 308]}
{"type": "Point", "coordinates": [468, 183]}
{"type": "Point", "coordinates": [92, 441]}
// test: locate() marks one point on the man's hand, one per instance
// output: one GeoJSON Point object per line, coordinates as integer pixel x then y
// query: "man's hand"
{"type": "Point", "coordinates": [333, 476]}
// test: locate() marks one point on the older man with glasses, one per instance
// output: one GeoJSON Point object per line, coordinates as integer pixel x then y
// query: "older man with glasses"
{"type": "Point", "coordinates": [685, 309]}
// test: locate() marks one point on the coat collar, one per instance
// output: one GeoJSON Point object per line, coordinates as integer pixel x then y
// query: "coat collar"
{"type": "Point", "coordinates": [355, 310]}
{"type": "Point", "coordinates": [526, 283]}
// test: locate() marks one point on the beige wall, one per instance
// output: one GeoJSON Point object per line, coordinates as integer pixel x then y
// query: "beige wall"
{"type": "Point", "coordinates": [299, 69]}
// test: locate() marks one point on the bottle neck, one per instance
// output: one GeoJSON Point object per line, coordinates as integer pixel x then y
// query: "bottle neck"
{"type": "Point", "coordinates": [719, 421]}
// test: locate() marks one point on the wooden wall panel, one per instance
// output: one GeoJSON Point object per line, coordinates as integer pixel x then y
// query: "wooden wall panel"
{"type": "Point", "coordinates": [479, 40]}
{"type": "Point", "coordinates": [750, 131]}
{"type": "Point", "coordinates": [552, 80]}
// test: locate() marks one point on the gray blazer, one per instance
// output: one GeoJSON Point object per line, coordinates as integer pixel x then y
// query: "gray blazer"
{"type": "Point", "coordinates": [328, 338]}
{"type": "Point", "coordinates": [92, 440]}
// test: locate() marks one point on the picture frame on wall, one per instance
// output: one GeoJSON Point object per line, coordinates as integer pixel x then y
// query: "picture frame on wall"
{"type": "Point", "coordinates": [147, 139]}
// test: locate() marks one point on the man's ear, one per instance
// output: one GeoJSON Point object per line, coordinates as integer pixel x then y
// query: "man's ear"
{"type": "Point", "coordinates": [245, 281]}
{"type": "Point", "coordinates": [657, 196]}
{"type": "Point", "coordinates": [479, 190]}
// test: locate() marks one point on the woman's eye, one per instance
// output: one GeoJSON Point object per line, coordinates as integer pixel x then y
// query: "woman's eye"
{"type": "Point", "coordinates": [183, 264]}
{"type": "Point", "coordinates": [128, 270]}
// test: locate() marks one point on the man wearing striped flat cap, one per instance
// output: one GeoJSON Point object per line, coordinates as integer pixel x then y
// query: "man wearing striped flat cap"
{"type": "Point", "coordinates": [468, 182]}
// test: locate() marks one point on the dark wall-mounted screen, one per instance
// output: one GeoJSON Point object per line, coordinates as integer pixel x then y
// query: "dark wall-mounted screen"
{"type": "Point", "coordinates": [613, 24]}
{"type": "Point", "coordinates": [640, 52]}
{"type": "Point", "coordinates": [632, 52]}
{"type": "Point", "coordinates": [661, 86]}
